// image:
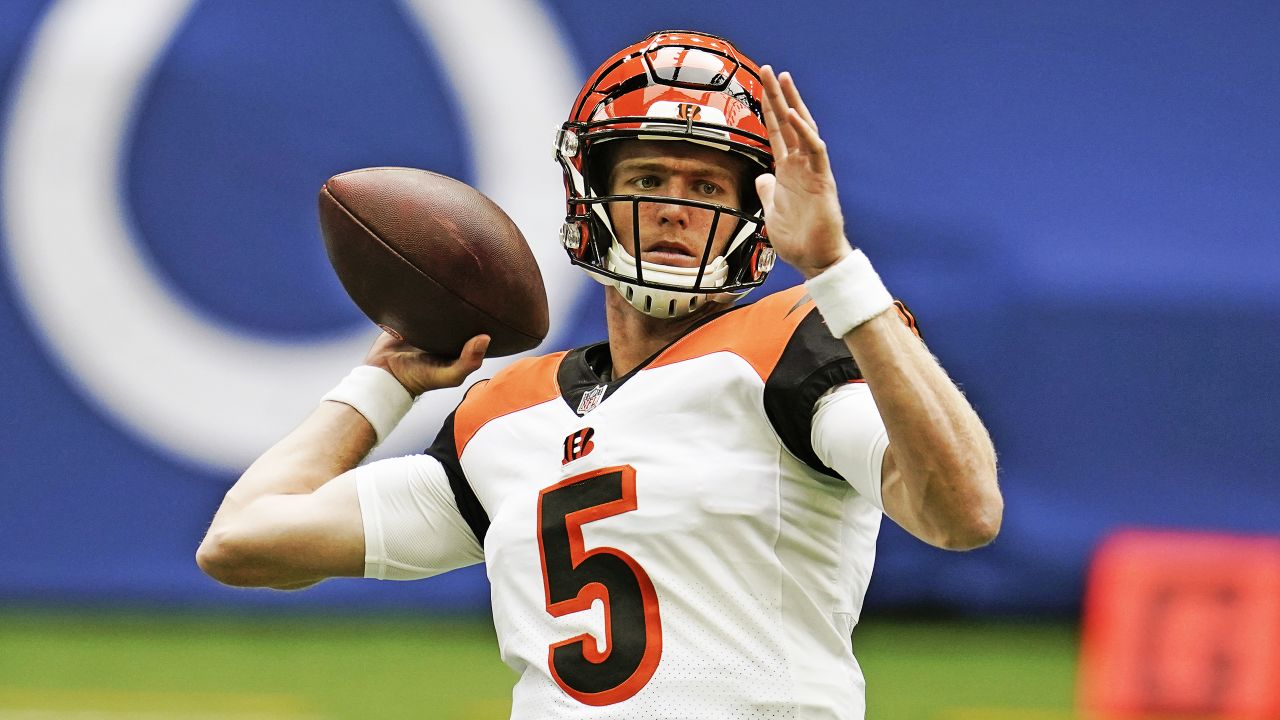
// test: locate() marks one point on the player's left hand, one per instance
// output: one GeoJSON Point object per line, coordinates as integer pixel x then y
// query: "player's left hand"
{"type": "Point", "coordinates": [801, 206]}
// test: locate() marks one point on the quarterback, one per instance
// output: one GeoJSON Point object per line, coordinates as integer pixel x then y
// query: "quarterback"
{"type": "Point", "coordinates": [680, 521]}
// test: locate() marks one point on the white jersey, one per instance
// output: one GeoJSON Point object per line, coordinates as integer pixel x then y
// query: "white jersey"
{"type": "Point", "coordinates": [668, 544]}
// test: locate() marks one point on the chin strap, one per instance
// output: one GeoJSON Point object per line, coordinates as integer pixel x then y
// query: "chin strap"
{"type": "Point", "coordinates": [665, 303]}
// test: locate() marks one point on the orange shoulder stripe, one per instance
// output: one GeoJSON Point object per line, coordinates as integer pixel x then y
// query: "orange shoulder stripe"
{"type": "Point", "coordinates": [757, 333]}
{"type": "Point", "coordinates": [907, 316]}
{"type": "Point", "coordinates": [522, 384]}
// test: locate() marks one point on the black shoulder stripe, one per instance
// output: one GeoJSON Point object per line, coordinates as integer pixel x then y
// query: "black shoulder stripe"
{"type": "Point", "coordinates": [445, 450]}
{"type": "Point", "coordinates": [812, 363]}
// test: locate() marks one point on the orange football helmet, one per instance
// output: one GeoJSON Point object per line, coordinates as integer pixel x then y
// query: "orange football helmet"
{"type": "Point", "coordinates": [681, 86]}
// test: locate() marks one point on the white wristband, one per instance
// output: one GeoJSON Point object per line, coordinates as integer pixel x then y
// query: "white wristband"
{"type": "Point", "coordinates": [375, 394]}
{"type": "Point", "coordinates": [848, 293]}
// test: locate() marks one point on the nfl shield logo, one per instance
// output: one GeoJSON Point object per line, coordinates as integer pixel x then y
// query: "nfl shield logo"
{"type": "Point", "coordinates": [591, 399]}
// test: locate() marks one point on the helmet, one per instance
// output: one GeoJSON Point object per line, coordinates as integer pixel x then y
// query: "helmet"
{"type": "Point", "coordinates": [674, 85]}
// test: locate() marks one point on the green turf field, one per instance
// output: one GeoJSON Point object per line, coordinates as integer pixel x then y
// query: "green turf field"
{"type": "Point", "coordinates": [271, 668]}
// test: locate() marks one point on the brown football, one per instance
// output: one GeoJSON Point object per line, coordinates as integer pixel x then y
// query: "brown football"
{"type": "Point", "coordinates": [433, 260]}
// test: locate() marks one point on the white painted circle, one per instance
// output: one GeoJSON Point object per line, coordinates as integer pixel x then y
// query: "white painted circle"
{"type": "Point", "coordinates": [172, 375]}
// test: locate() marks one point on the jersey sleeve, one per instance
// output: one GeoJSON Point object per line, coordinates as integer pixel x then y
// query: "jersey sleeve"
{"type": "Point", "coordinates": [848, 436]}
{"type": "Point", "coordinates": [445, 449]}
{"type": "Point", "coordinates": [412, 525]}
{"type": "Point", "coordinates": [812, 363]}
{"type": "Point", "coordinates": [822, 410]}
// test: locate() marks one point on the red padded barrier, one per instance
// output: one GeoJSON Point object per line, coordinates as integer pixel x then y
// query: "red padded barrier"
{"type": "Point", "coordinates": [1183, 625]}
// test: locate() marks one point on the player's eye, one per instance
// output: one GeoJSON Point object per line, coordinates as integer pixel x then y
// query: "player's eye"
{"type": "Point", "coordinates": [646, 182]}
{"type": "Point", "coordinates": [708, 188]}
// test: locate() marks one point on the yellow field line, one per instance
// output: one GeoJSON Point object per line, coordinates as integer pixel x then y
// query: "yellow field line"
{"type": "Point", "coordinates": [1047, 714]}
{"type": "Point", "coordinates": [132, 715]}
{"type": "Point", "coordinates": [85, 703]}
{"type": "Point", "coordinates": [485, 710]}
{"type": "Point", "coordinates": [1005, 714]}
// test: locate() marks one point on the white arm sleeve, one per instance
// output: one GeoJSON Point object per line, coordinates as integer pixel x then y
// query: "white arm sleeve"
{"type": "Point", "coordinates": [412, 526]}
{"type": "Point", "coordinates": [849, 437]}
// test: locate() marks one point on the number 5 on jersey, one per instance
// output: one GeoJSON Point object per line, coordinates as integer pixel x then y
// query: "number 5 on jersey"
{"type": "Point", "coordinates": [574, 577]}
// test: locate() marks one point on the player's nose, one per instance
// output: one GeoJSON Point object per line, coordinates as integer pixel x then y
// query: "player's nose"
{"type": "Point", "coordinates": [674, 213]}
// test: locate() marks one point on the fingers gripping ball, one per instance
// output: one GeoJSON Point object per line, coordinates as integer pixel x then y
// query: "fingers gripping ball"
{"type": "Point", "coordinates": [432, 260]}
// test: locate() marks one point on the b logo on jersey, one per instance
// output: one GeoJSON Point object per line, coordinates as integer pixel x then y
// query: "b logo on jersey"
{"type": "Point", "coordinates": [578, 445]}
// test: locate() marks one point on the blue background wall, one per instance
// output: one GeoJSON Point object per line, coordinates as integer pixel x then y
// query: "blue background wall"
{"type": "Point", "coordinates": [1079, 200]}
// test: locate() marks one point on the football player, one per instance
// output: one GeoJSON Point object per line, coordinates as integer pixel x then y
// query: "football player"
{"type": "Point", "coordinates": [680, 521]}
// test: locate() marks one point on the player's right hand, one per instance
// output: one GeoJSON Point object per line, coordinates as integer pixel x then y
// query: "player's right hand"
{"type": "Point", "coordinates": [419, 371]}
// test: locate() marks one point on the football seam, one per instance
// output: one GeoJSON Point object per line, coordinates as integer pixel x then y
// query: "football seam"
{"type": "Point", "coordinates": [416, 269]}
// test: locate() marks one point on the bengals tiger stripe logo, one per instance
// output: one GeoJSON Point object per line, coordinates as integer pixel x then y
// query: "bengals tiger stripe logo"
{"type": "Point", "coordinates": [578, 445]}
{"type": "Point", "coordinates": [689, 111]}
